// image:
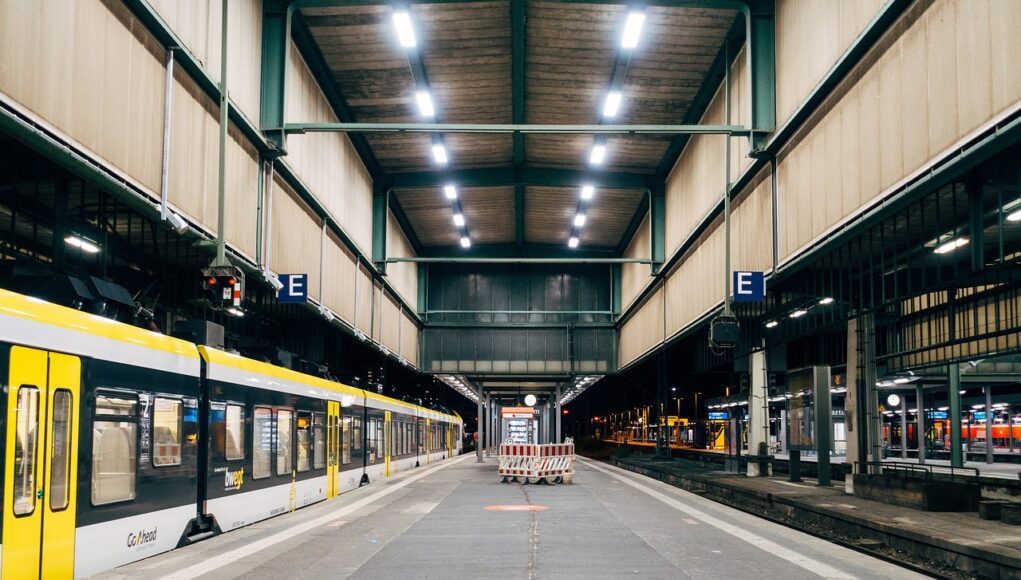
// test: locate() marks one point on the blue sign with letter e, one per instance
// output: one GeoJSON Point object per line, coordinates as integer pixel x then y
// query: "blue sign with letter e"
{"type": "Point", "coordinates": [749, 287]}
{"type": "Point", "coordinates": [295, 290]}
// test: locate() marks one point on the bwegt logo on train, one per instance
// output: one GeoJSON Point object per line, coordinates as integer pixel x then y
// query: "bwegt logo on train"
{"type": "Point", "coordinates": [233, 479]}
{"type": "Point", "coordinates": [141, 538]}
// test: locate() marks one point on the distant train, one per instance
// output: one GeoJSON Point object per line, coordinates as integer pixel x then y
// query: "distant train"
{"type": "Point", "coordinates": [120, 443]}
{"type": "Point", "coordinates": [940, 439]}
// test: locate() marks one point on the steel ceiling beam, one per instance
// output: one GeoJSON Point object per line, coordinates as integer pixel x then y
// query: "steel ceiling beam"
{"type": "Point", "coordinates": [704, 4]}
{"type": "Point", "coordinates": [505, 176]}
{"type": "Point", "coordinates": [484, 260]}
{"type": "Point", "coordinates": [501, 128]}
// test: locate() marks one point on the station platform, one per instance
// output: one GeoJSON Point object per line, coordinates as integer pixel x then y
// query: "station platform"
{"type": "Point", "coordinates": [456, 520]}
{"type": "Point", "coordinates": [946, 544]}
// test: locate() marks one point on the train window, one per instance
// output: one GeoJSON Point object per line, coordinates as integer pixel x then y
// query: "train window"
{"type": "Point", "coordinates": [114, 448]}
{"type": "Point", "coordinates": [60, 461]}
{"type": "Point", "coordinates": [262, 442]}
{"type": "Point", "coordinates": [319, 441]}
{"type": "Point", "coordinates": [304, 440]}
{"type": "Point", "coordinates": [345, 453]}
{"type": "Point", "coordinates": [166, 432]}
{"type": "Point", "coordinates": [235, 433]}
{"type": "Point", "coordinates": [285, 420]}
{"type": "Point", "coordinates": [27, 439]}
{"type": "Point", "coordinates": [370, 440]}
{"type": "Point", "coordinates": [356, 435]}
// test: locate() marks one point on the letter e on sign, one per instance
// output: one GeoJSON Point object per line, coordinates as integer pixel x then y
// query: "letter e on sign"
{"type": "Point", "coordinates": [295, 290]}
{"type": "Point", "coordinates": [749, 287]}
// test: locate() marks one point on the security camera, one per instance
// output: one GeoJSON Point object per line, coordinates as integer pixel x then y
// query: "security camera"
{"type": "Point", "coordinates": [274, 282]}
{"type": "Point", "coordinates": [177, 222]}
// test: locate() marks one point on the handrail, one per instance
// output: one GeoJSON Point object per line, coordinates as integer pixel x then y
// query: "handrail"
{"type": "Point", "coordinates": [905, 468]}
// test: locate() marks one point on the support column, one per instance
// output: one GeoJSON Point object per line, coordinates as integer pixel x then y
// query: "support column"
{"type": "Point", "coordinates": [758, 413]}
{"type": "Point", "coordinates": [904, 427]}
{"type": "Point", "coordinates": [823, 424]}
{"type": "Point", "coordinates": [762, 61]}
{"type": "Point", "coordinates": [657, 222]}
{"type": "Point", "coordinates": [920, 422]}
{"type": "Point", "coordinates": [479, 441]}
{"type": "Point", "coordinates": [856, 441]}
{"type": "Point", "coordinates": [380, 211]}
{"type": "Point", "coordinates": [276, 35]}
{"type": "Point", "coordinates": [954, 397]}
{"type": "Point", "coordinates": [989, 423]}
{"type": "Point", "coordinates": [559, 412]}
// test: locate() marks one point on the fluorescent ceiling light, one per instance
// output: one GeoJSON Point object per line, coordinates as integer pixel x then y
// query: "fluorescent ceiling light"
{"type": "Point", "coordinates": [826, 301]}
{"type": "Point", "coordinates": [1015, 217]}
{"type": "Point", "coordinates": [440, 153]}
{"type": "Point", "coordinates": [772, 324]}
{"type": "Point", "coordinates": [902, 380]}
{"type": "Point", "coordinates": [579, 220]}
{"type": "Point", "coordinates": [458, 219]}
{"type": "Point", "coordinates": [425, 103]}
{"type": "Point", "coordinates": [632, 29]}
{"type": "Point", "coordinates": [465, 242]}
{"type": "Point", "coordinates": [450, 191]}
{"type": "Point", "coordinates": [82, 244]}
{"type": "Point", "coordinates": [612, 104]}
{"type": "Point", "coordinates": [798, 313]}
{"type": "Point", "coordinates": [950, 246]}
{"type": "Point", "coordinates": [598, 154]}
{"type": "Point", "coordinates": [405, 32]}
{"type": "Point", "coordinates": [573, 242]}
{"type": "Point", "coordinates": [587, 191]}
{"type": "Point", "coordinates": [236, 312]}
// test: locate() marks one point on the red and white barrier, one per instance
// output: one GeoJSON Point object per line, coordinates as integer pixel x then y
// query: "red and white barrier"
{"type": "Point", "coordinates": [555, 460]}
{"type": "Point", "coordinates": [538, 462]}
{"type": "Point", "coordinates": [518, 460]}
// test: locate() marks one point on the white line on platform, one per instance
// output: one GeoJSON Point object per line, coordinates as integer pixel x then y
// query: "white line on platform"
{"type": "Point", "coordinates": [773, 548]}
{"type": "Point", "coordinates": [226, 558]}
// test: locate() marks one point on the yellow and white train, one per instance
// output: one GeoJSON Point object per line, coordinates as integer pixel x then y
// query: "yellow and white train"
{"type": "Point", "coordinates": [119, 443]}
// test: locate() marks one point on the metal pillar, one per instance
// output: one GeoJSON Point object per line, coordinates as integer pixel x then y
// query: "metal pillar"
{"type": "Point", "coordinates": [221, 216]}
{"type": "Point", "coordinates": [762, 61]}
{"type": "Point", "coordinates": [276, 35]}
{"type": "Point", "coordinates": [856, 444]}
{"type": "Point", "coordinates": [657, 223]}
{"type": "Point", "coordinates": [920, 422]}
{"type": "Point", "coordinates": [1010, 429]}
{"type": "Point", "coordinates": [758, 413]}
{"type": "Point", "coordinates": [823, 424]}
{"type": "Point", "coordinates": [904, 427]}
{"type": "Point", "coordinates": [380, 217]}
{"type": "Point", "coordinates": [481, 434]}
{"type": "Point", "coordinates": [989, 423]}
{"type": "Point", "coordinates": [954, 397]}
{"type": "Point", "coordinates": [559, 412]}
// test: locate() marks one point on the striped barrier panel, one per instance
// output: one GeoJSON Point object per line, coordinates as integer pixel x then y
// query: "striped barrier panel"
{"type": "Point", "coordinates": [555, 460]}
{"type": "Point", "coordinates": [518, 460]}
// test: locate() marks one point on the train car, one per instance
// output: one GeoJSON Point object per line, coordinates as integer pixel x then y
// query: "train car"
{"type": "Point", "coordinates": [100, 444]}
{"type": "Point", "coordinates": [120, 443]}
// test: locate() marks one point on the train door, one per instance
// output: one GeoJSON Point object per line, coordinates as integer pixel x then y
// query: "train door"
{"type": "Point", "coordinates": [332, 448]}
{"type": "Point", "coordinates": [387, 443]}
{"type": "Point", "coordinates": [41, 465]}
